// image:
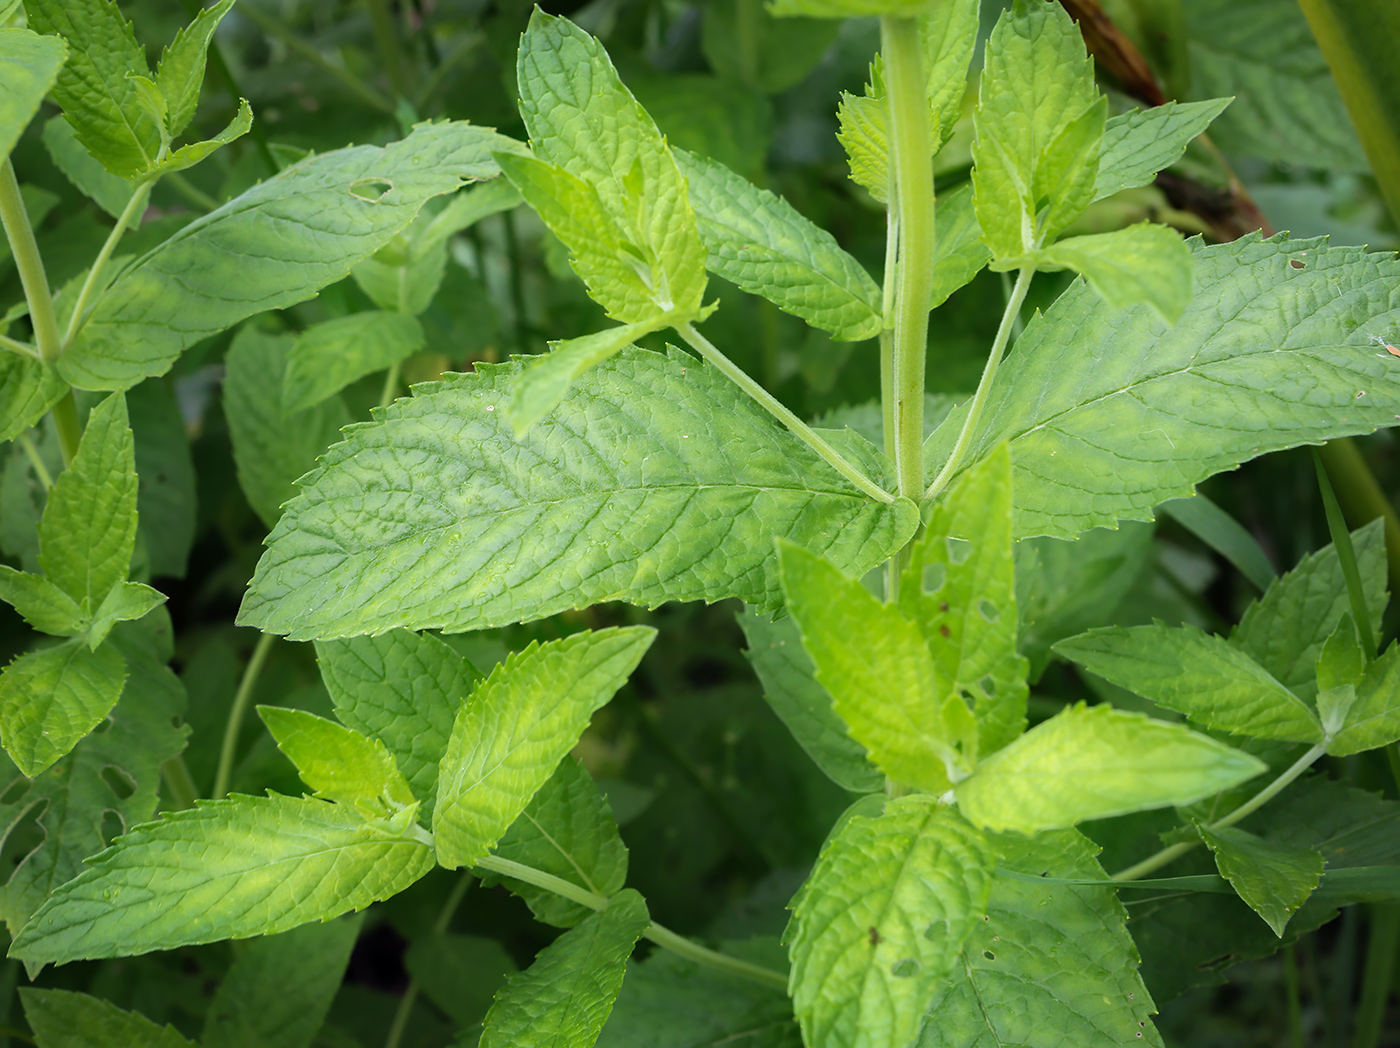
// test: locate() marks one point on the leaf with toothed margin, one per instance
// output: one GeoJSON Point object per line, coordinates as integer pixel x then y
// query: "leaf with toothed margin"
{"type": "Point", "coordinates": [1138, 144]}
{"type": "Point", "coordinates": [226, 869]}
{"type": "Point", "coordinates": [1111, 412]}
{"type": "Point", "coordinates": [655, 479]}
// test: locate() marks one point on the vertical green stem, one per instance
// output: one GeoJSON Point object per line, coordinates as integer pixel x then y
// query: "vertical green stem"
{"type": "Point", "coordinates": [391, 384]}
{"type": "Point", "coordinates": [912, 170]}
{"type": "Point", "coordinates": [1380, 973]}
{"type": "Point", "coordinates": [1295, 1002]}
{"type": "Point", "coordinates": [29, 264]}
{"type": "Point", "coordinates": [40, 470]}
{"type": "Point", "coordinates": [134, 206]}
{"type": "Point", "coordinates": [238, 712]}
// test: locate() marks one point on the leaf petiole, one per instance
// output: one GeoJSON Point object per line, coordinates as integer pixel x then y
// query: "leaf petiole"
{"type": "Point", "coordinates": [238, 713]}
{"type": "Point", "coordinates": [134, 207]}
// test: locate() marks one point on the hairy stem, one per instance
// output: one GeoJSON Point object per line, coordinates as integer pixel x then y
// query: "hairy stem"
{"type": "Point", "coordinates": [134, 207]}
{"type": "Point", "coordinates": [440, 926]}
{"type": "Point", "coordinates": [31, 267]}
{"type": "Point", "coordinates": [984, 386]}
{"type": "Point", "coordinates": [912, 170]}
{"type": "Point", "coordinates": [238, 712]}
{"type": "Point", "coordinates": [775, 407]}
{"type": "Point", "coordinates": [1249, 807]}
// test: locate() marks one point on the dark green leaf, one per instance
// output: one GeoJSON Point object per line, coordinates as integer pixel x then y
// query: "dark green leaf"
{"type": "Point", "coordinates": [62, 1019]}
{"type": "Point", "coordinates": [28, 65]}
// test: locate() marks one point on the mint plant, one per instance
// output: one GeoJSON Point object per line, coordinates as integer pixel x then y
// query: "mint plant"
{"type": "Point", "coordinates": [907, 577]}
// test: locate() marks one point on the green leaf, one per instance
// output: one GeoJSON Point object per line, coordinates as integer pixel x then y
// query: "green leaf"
{"type": "Point", "coordinates": [949, 37]}
{"type": "Point", "coordinates": [517, 725]}
{"type": "Point", "coordinates": [152, 102]}
{"type": "Point", "coordinates": [63, 1019]}
{"type": "Point", "coordinates": [1139, 143]}
{"type": "Point", "coordinates": [280, 987]}
{"type": "Point", "coordinates": [1203, 676]}
{"type": "Point", "coordinates": [766, 246]}
{"type": "Point", "coordinates": [1090, 762]}
{"type": "Point", "coordinates": [403, 689]}
{"type": "Point", "coordinates": [1274, 881]}
{"type": "Point", "coordinates": [960, 253]}
{"type": "Point", "coordinates": [882, 920]}
{"type": "Point", "coordinates": [583, 120]}
{"type": "Point", "coordinates": [1093, 401]}
{"type": "Point", "coordinates": [273, 246]}
{"type": "Point", "coordinates": [272, 446]}
{"type": "Point", "coordinates": [459, 973]}
{"type": "Point", "coordinates": [329, 356]}
{"type": "Point", "coordinates": [1141, 263]}
{"type": "Point", "coordinates": [98, 98]}
{"type": "Point", "coordinates": [1341, 665]}
{"type": "Point", "coordinates": [547, 378]}
{"type": "Point", "coordinates": [166, 497]}
{"type": "Point", "coordinates": [568, 831]}
{"type": "Point", "coordinates": [1373, 719]}
{"type": "Point", "coordinates": [864, 135]}
{"type": "Point", "coordinates": [883, 681]}
{"type": "Point", "coordinates": [1284, 631]}
{"type": "Point", "coordinates": [124, 601]}
{"type": "Point", "coordinates": [187, 156]}
{"type": "Point", "coordinates": [1224, 534]}
{"type": "Point", "coordinates": [563, 999]}
{"type": "Point", "coordinates": [1039, 123]}
{"type": "Point", "coordinates": [1287, 107]}
{"type": "Point", "coordinates": [227, 869]}
{"type": "Point", "coordinates": [89, 525]}
{"type": "Point", "coordinates": [1048, 965]}
{"type": "Point", "coordinates": [338, 763]}
{"type": "Point", "coordinates": [29, 63]}
{"type": "Point", "coordinates": [28, 388]}
{"type": "Point", "coordinates": [42, 604]}
{"type": "Point", "coordinates": [790, 686]}
{"type": "Point", "coordinates": [51, 698]}
{"type": "Point", "coordinates": [656, 479]}
{"type": "Point", "coordinates": [959, 586]}
{"type": "Point", "coordinates": [180, 73]}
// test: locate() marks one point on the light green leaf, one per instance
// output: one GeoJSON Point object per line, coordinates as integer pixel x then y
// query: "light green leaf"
{"type": "Point", "coordinates": [1090, 762]}
{"type": "Point", "coordinates": [29, 63]}
{"type": "Point", "coordinates": [517, 725]}
{"type": "Point", "coordinates": [227, 869]}
{"type": "Point", "coordinates": [864, 135]}
{"type": "Point", "coordinates": [97, 97]}
{"type": "Point", "coordinates": [656, 479]}
{"type": "Point", "coordinates": [1200, 675]}
{"type": "Point", "coordinates": [63, 1019]}
{"type": "Point", "coordinates": [1275, 881]}
{"type": "Point", "coordinates": [180, 73]}
{"type": "Point", "coordinates": [111, 775]}
{"type": "Point", "coordinates": [1373, 719]}
{"type": "Point", "coordinates": [883, 681]}
{"type": "Point", "coordinates": [960, 253]}
{"type": "Point", "coordinates": [563, 999]}
{"type": "Point", "coordinates": [275, 245]}
{"type": "Point", "coordinates": [1049, 965]}
{"type": "Point", "coordinates": [151, 101]}
{"type": "Point", "coordinates": [1141, 263]}
{"type": "Point", "coordinates": [28, 388]}
{"type": "Point", "coordinates": [949, 37]}
{"type": "Point", "coordinates": [882, 920]}
{"type": "Point", "coordinates": [568, 831]}
{"type": "Point", "coordinates": [280, 987]}
{"type": "Point", "coordinates": [41, 604]}
{"type": "Point", "coordinates": [89, 525]}
{"type": "Point", "coordinates": [547, 378]}
{"type": "Point", "coordinates": [51, 698]}
{"type": "Point", "coordinates": [1287, 107]}
{"type": "Point", "coordinates": [459, 973]}
{"type": "Point", "coordinates": [94, 181]}
{"type": "Point", "coordinates": [791, 689]}
{"type": "Point", "coordinates": [1284, 631]}
{"type": "Point", "coordinates": [582, 119]}
{"type": "Point", "coordinates": [766, 246]}
{"type": "Point", "coordinates": [1141, 142]}
{"type": "Point", "coordinates": [188, 156]}
{"type": "Point", "coordinates": [124, 601]}
{"type": "Point", "coordinates": [338, 763]}
{"type": "Point", "coordinates": [272, 447]}
{"type": "Point", "coordinates": [403, 689]}
{"type": "Point", "coordinates": [1093, 402]}
{"type": "Point", "coordinates": [329, 356]}
{"type": "Point", "coordinates": [1341, 665]}
{"type": "Point", "coordinates": [959, 586]}
{"type": "Point", "coordinates": [1039, 123]}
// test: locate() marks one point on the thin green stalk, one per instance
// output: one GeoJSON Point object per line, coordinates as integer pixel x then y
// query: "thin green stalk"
{"type": "Point", "coordinates": [42, 471]}
{"type": "Point", "coordinates": [740, 378]}
{"type": "Point", "coordinates": [180, 783]}
{"type": "Point", "coordinates": [1249, 807]}
{"type": "Point", "coordinates": [386, 41]}
{"type": "Point", "coordinates": [391, 384]}
{"type": "Point", "coordinates": [284, 33]}
{"type": "Point", "coordinates": [440, 926]}
{"type": "Point", "coordinates": [1380, 973]}
{"type": "Point", "coordinates": [134, 207]}
{"type": "Point", "coordinates": [14, 345]}
{"type": "Point", "coordinates": [30, 265]}
{"type": "Point", "coordinates": [1346, 556]}
{"type": "Point", "coordinates": [1361, 497]}
{"type": "Point", "coordinates": [657, 933]}
{"type": "Point", "coordinates": [1295, 1001]}
{"type": "Point", "coordinates": [191, 192]}
{"type": "Point", "coordinates": [238, 712]}
{"type": "Point", "coordinates": [984, 386]}
{"type": "Point", "coordinates": [911, 169]}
